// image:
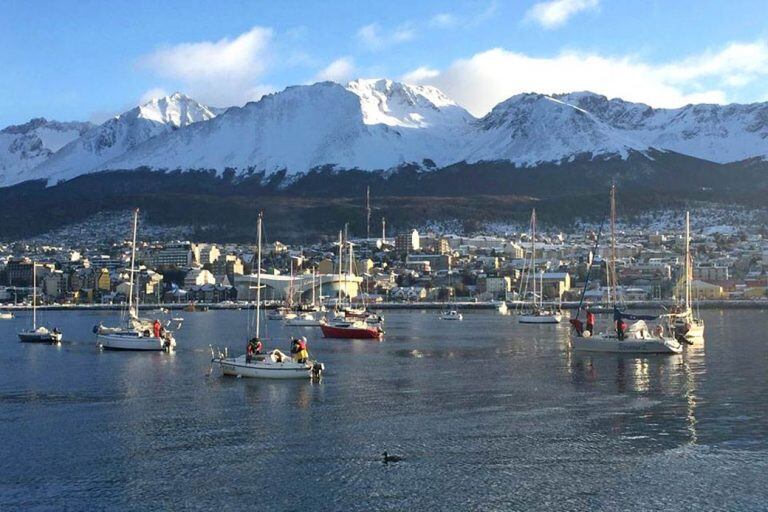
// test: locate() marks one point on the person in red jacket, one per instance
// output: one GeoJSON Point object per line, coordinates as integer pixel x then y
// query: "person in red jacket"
{"type": "Point", "coordinates": [590, 322]}
{"type": "Point", "coordinates": [156, 328]}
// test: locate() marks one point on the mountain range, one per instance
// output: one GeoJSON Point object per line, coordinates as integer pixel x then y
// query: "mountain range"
{"type": "Point", "coordinates": [377, 125]}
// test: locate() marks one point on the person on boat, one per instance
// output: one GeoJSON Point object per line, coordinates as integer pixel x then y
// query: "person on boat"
{"type": "Point", "coordinates": [621, 328]}
{"type": "Point", "coordinates": [299, 350]}
{"type": "Point", "coordinates": [254, 347]}
{"type": "Point", "coordinates": [156, 328]}
{"type": "Point", "coordinates": [578, 326]}
{"type": "Point", "coordinates": [590, 321]}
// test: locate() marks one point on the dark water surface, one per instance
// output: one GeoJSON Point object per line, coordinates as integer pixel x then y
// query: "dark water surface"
{"type": "Point", "coordinates": [488, 414]}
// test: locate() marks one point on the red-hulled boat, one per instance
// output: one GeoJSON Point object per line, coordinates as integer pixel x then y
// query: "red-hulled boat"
{"type": "Point", "coordinates": [351, 330]}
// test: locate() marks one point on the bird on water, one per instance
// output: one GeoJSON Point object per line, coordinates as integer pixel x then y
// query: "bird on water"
{"type": "Point", "coordinates": [391, 458]}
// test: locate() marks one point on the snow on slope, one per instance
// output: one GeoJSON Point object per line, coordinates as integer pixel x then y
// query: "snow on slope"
{"type": "Point", "coordinates": [119, 135]}
{"type": "Point", "coordinates": [528, 129]}
{"type": "Point", "coordinates": [719, 133]}
{"type": "Point", "coordinates": [379, 124]}
{"type": "Point", "coordinates": [22, 147]}
{"type": "Point", "coordinates": [373, 124]}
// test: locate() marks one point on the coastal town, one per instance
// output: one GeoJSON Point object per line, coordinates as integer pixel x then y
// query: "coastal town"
{"type": "Point", "coordinates": [409, 267]}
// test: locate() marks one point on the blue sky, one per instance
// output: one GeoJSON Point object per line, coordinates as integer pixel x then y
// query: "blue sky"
{"type": "Point", "coordinates": [87, 59]}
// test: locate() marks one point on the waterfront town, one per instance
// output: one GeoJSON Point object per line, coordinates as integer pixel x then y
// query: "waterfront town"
{"type": "Point", "coordinates": [409, 267]}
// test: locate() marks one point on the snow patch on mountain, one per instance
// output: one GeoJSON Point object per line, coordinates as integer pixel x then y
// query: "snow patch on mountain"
{"type": "Point", "coordinates": [719, 133]}
{"type": "Point", "coordinates": [23, 147]}
{"type": "Point", "coordinates": [119, 135]}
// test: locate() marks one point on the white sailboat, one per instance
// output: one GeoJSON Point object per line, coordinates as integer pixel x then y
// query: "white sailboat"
{"type": "Point", "coordinates": [451, 314]}
{"type": "Point", "coordinates": [536, 313]}
{"type": "Point", "coordinates": [272, 365]}
{"type": "Point", "coordinates": [306, 318]}
{"type": "Point", "coordinates": [39, 334]}
{"type": "Point", "coordinates": [136, 333]}
{"type": "Point", "coordinates": [638, 338]}
{"type": "Point", "coordinates": [688, 327]}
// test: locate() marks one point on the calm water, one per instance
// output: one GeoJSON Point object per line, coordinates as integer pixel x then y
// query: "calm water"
{"type": "Point", "coordinates": [489, 415]}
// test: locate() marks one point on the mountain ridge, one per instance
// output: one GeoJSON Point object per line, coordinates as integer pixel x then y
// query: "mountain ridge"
{"type": "Point", "coordinates": [380, 124]}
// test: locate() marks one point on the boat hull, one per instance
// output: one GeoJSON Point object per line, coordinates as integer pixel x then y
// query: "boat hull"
{"type": "Point", "coordinates": [36, 337]}
{"type": "Point", "coordinates": [287, 370]}
{"type": "Point", "coordinates": [611, 344]}
{"type": "Point", "coordinates": [364, 333]}
{"type": "Point", "coordinates": [540, 319]}
{"type": "Point", "coordinates": [130, 342]}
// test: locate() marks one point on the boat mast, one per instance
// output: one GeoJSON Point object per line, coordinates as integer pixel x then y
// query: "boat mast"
{"type": "Point", "coordinates": [34, 295]}
{"type": "Point", "coordinates": [368, 212]}
{"type": "Point", "coordinates": [687, 261]}
{"type": "Point", "coordinates": [349, 273]}
{"type": "Point", "coordinates": [612, 292]}
{"type": "Point", "coordinates": [533, 254]}
{"type": "Point", "coordinates": [258, 273]}
{"type": "Point", "coordinates": [131, 311]}
{"type": "Point", "coordinates": [341, 263]}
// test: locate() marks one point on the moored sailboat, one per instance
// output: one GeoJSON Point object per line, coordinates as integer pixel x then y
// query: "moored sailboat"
{"type": "Point", "coordinates": [637, 338]}
{"type": "Point", "coordinates": [38, 334]}
{"type": "Point", "coordinates": [536, 313]}
{"type": "Point", "coordinates": [136, 334]}
{"type": "Point", "coordinates": [687, 326]}
{"type": "Point", "coordinates": [273, 364]}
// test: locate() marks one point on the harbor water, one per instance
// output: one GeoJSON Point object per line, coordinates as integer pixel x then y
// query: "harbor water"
{"type": "Point", "coordinates": [487, 414]}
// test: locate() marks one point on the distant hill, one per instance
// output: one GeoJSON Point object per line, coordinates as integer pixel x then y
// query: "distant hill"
{"type": "Point", "coordinates": [223, 206]}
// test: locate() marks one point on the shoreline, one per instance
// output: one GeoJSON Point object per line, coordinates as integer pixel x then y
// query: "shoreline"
{"type": "Point", "coordinates": [511, 305]}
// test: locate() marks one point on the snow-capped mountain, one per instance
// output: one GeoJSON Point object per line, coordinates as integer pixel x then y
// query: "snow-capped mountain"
{"type": "Point", "coordinates": [380, 124]}
{"type": "Point", "coordinates": [531, 128]}
{"type": "Point", "coordinates": [24, 146]}
{"type": "Point", "coordinates": [719, 133]}
{"type": "Point", "coordinates": [371, 124]}
{"type": "Point", "coordinates": [120, 135]}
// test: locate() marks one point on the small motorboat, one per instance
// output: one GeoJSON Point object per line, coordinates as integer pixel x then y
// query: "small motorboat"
{"type": "Point", "coordinates": [351, 329]}
{"type": "Point", "coordinates": [6, 315]}
{"type": "Point", "coordinates": [272, 365]}
{"type": "Point", "coordinates": [451, 315]}
{"type": "Point", "coordinates": [40, 335]}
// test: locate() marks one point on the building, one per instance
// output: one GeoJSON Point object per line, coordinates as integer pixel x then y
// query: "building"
{"type": "Point", "coordinates": [407, 242]}
{"type": "Point", "coordinates": [176, 254]}
{"type": "Point", "coordinates": [198, 276]}
{"type": "Point", "coordinates": [19, 272]}
{"type": "Point", "coordinates": [205, 254]}
{"type": "Point", "coordinates": [711, 273]}
{"type": "Point", "coordinates": [700, 289]}
{"type": "Point", "coordinates": [498, 286]}
{"type": "Point", "coordinates": [436, 262]}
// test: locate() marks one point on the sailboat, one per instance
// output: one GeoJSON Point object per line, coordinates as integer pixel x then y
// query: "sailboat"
{"type": "Point", "coordinates": [135, 333]}
{"type": "Point", "coordinates": [348, 323]}
{"type": "Point", "coordinates": [306, 318]}
{"type": "Point", "coordinates": [687, 326]}
{"type": "Point", "coordinates": [272, 365]}
{"type": "Point", "coordinates": [38, 334]}
{"type": "Point", "coordinates": [536, 313]}
{"type": "Point", "coordinates": [451, 314]}
{"type": "Point", "coordinates": [638, 338]}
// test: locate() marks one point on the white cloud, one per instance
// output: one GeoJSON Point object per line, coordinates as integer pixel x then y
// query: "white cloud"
{"type": "Point", "coordinates": [483, 80]}
{"type": "Point", "coordinates": [419, 75]}
{"type": "Point", "coordinates": [223, 72]}
{"type": "Point", "coordinates": [340, 70]}
{"type": "Point", "coordinates": [373, 37]}
{"type": "Point", "coordinates": [151, 94]}
{"type": "Point", "coordinates": [443, 20]}
{"type": "Point", "coordinates": [555, 13]}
